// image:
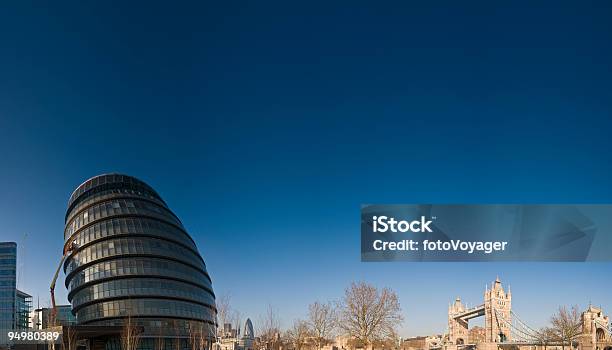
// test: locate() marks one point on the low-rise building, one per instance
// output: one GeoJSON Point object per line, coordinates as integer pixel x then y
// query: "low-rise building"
{"type": "Point", "coordinates": [41, 318]}
{"type": "Point", "coordinates": [422, 342]}
{"type": "Point", "coordinates": [23, 306]}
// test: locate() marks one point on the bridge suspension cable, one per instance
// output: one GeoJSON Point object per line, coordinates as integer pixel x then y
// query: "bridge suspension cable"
{"type": "Point", "coordinates": [519, 331]}
{"type": "Point", "coordinates": [604, 326]}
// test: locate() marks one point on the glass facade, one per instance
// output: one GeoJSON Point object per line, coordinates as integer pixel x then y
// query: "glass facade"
{"type": "Point", "coordinates": [23, 307]}
{"type": "Point", "coordinates": [41, 317]}
{"type": "Point", "coordinates": [132, 257]}
{"type": "Point", "coordinates": [8, 288]}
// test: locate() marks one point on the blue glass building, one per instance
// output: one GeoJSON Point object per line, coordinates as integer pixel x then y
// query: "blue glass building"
{"type": "Point", "coordinates": [8, 288]}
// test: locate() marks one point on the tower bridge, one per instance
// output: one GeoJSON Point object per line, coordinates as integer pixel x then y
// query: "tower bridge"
{"type": "Point", "coordinates": [505, 330]}
{"type": "Point", "coordinates": [497, 304]}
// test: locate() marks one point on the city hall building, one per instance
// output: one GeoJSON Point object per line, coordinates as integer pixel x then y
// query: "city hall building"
{"type": "Point", "coordinates": [129, 258]}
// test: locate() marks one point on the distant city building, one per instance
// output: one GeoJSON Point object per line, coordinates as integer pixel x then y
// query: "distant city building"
{"type": "Point", "coordinates": [228, 331]}
{"type": "Point", "coordinates": [41, 317]}
{"type": "Point", "coordinates": [246, 341]}
{"type": "Point", "coordinates": [131, 257]}
{"type": "Point", "coordinates": [15, 305]}
{"type": "Point", "coordinates": [8, 287]}
{"type": "Point", "coordinates": [231, 339]}
{"type": "Point", "coordinates": [23, 307]}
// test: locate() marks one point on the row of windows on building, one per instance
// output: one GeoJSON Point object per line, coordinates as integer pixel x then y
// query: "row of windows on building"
{"type": "Point", "coordinates": [154, 326]}
{"type": "Point", "coordinates": [123, 246]}
{"type": "Point", "coordinates": [110, 194]}
{"type": "Point", "coordinates": [139, 266]}
{"type": "Point", "coordinates": [118, 207]}
{"type": "Point", "coordinates": [8, 250]}
{"type": "Point", "coordinates": [4, 325]}
{"type": "Point", "coordinates": [7, 293]}
{"type": "Point", "coordinates": [7, 306]}
{"type": "Point", "coordinates": [139, 287]}
{"type": "Point", "coordinates": [122, 226]}
{"type": "Point", "coordinates": [105, 182]}
{"type": "Point", "coordinates": [144, 307]}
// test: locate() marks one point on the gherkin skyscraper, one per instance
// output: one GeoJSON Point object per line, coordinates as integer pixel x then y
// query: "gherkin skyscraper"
{"type": "Point", "coordinates": [132, 257]}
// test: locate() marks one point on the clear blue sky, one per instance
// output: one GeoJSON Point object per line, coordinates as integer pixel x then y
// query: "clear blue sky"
{"type": "Point", "coordinates": [265, 126]}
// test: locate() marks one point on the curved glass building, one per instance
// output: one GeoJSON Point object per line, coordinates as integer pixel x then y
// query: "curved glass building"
{"type": "Point", "coordinates": [132, 257]}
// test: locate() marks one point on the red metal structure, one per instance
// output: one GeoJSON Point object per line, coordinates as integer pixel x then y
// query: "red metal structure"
{"type": "Point", "coordinates": [67, 249]}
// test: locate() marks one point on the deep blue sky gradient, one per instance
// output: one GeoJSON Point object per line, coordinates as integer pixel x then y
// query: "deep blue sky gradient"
{"type": "Point", "coordinates": [266, 125]}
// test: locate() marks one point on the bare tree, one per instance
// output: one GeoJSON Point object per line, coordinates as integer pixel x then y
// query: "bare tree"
{"type": "Point", "coordinates": [130, 334]}
{"type": "Point", "coordinates": [298, 334]}
{"type": "Point", "coordinates": [392, 341]}
{"type": "Point", "coordinates": [69, 338]}
{"type": "Point", "coordinates": [160, 341]}
{"type": "Point", "coordinates": [224, 309]}
{"type": "Point", "coordinates": [322, 321]}
{"type": "Point", "coordinates": [201, 335]}
{"type": "Point", "coordinates": [226, 314]}
{"type": "Point", "coordinates": [545, 336]}
{"type": "Point", "coordinates": [257, 344]}
{"type": "Point", "coordinates": [368, 314]}
{"type": "Point", "coordinates": [211, 336]}
{"type": "Point", "coordinates": [196, 335]}
{"type": "Point", "coordinates": [177, 335]}
{"type": "Point", "coordinates": [566, 324]}
{"type": "Point", "coordinates": [268, 328]}
{"type": "Point", "coordinates": [236, 319]}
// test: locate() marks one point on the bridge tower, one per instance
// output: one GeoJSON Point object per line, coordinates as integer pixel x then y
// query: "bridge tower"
{"type": "Point", "coordinates": [457, 327]}
{"type": "Point", "coordinates": [498, 304]}
{"type": "Point", "coordinates": [595, 330]}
